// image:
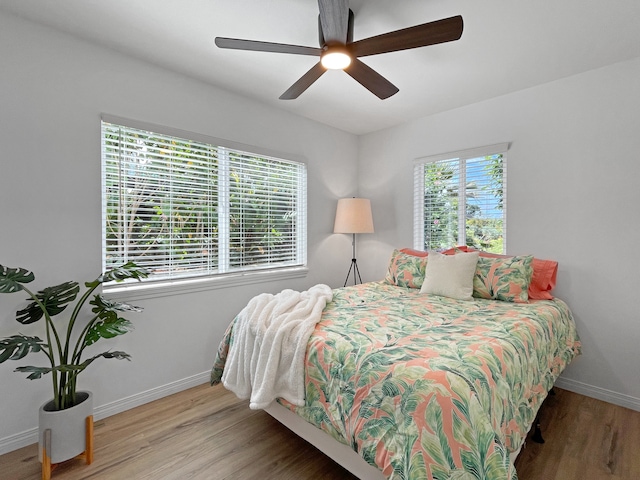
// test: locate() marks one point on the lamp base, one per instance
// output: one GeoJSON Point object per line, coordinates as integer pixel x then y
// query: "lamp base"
{"type": "Point", "coordinates": [353, 268]}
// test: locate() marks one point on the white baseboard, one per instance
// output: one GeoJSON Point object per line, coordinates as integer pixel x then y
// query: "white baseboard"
{"type": "Point", "coordinates": [138, 399]}
{"type": "Point", "coordinates": [18, 440]}
{"type": "Point", "coordinates": [598, 393]}
{"type": "Point", "coordinates": [28, 437]}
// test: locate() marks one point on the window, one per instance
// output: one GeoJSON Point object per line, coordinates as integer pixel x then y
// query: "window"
{"type": "Point", "coordinates": [185, 208]}
{"type": "Point", "coordinates": [460, 199]}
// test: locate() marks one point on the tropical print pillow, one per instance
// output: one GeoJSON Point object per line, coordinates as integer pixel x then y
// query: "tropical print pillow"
{"type": "Point", "coordinates": [505, 279]}
{"type": "Point", "coordinates": [406, 270]}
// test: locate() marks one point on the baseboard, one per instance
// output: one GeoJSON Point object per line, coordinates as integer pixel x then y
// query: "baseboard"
{"type": "Point", "coordinates": [598, 393]}
{"type": "Point", "coordinates": [28, 437]}
{"type": "Point", "coordinates": [18, 440]}
{"type": "Point", "coordinates": [138, 399]}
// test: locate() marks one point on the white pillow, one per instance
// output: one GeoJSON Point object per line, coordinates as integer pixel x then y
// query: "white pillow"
{"type": "Point", "coordinates": [450, 275]}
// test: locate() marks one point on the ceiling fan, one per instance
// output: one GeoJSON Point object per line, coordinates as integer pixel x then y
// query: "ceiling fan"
{"type": "Point", "coordinates": [339, 51]}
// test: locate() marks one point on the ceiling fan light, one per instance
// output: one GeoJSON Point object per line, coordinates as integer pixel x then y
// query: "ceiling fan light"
{"type": "Point", "coordinates": [335, 60]}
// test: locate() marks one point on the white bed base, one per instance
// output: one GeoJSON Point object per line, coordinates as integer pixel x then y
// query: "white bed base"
{"type": "Point", "coordinates": [339, 452]}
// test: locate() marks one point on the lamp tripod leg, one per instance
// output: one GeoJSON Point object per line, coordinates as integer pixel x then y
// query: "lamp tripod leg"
{"type": "Point", "coordinates": [349, 273]}
{"type": "Point", "coordinates": [356, 270]}
{"type": "Point", "coordinates": [354, 266]}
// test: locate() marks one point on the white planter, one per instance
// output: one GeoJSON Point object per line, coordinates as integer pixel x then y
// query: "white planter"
{"type": "Point", "coordinates": [68, 428]}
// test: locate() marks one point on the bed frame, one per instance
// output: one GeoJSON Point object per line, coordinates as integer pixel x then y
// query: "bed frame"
{"type": "Point", "coordinates": [338, 452]}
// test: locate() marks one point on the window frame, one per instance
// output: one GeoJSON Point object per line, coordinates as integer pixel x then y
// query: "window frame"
{"type": "Point", "coordinates": [161, 287]}
{"type": "Point", "coordinates": [461, 156]}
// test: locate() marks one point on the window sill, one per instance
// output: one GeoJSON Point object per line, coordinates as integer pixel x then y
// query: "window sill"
{"type": "Point", "coordinates": [146, 290]}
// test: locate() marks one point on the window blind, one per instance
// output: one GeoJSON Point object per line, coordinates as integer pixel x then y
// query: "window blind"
{"type": "Point", "coordinates": [461, 200]}
{"type": "Point", "coordinates": [263, 211]}
{"type": "Point", "coordinates": [185, 208]}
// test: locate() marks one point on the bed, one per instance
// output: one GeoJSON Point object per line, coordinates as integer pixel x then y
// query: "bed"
{"type": "Point", "coordinates": [424, 386]}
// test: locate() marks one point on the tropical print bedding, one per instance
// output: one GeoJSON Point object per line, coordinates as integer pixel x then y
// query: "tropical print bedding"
{"type": "Point", "coordinates": [428, 387]}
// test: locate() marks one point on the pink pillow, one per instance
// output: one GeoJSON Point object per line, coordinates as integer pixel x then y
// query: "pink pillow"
{"type": "Point", "coordinates": [543, 280]}
{"type": "Point", "coordinates": [415, 253]}
{"type": "Point", "coordinates": [422, 253]}
{"type": "Point", "coordinates": [461, 248]}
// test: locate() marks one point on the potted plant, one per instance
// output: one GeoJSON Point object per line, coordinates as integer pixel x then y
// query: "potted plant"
{"type": "Point", "coordinates": [65, 344]}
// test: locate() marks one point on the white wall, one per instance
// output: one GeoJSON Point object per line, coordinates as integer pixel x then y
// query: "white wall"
{"type": "Point", "coordinates": [573, 196]}
{"type": "Point", "coordinates": [53, 89]}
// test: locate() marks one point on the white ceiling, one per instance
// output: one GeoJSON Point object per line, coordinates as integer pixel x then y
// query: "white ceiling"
{"type": "Point", "coordinates": [507, 45]}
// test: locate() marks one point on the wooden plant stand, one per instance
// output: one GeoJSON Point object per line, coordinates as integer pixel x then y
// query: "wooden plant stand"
{"type": "Point", "coordinates": [48, 467]}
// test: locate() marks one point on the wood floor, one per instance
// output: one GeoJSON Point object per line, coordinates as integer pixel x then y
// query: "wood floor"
{"type": "Point", "coordinates": [206, 433]}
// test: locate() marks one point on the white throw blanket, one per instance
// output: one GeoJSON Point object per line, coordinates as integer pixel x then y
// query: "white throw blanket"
{"type": "Point", "coordinates": [270, 336]}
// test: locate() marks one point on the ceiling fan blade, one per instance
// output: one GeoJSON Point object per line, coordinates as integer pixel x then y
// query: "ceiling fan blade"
{"type": "Point", "coordinates": [440, 31]}
{"type": "Point", "coordinates": [334, 17]}
{"type": "Point", "coordinates": [239, 44]}
{"type": "Point", "coordinates": [304, 82]}
{"type": "Point", "coordinates": [371, 80]}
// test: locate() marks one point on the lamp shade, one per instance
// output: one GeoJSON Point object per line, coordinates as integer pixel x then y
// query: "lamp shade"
{"type": "Point", "coordinates": [353, 215]}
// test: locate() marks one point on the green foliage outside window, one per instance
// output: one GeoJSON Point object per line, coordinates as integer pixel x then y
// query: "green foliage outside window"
{"type": "Point", "coordinates": [482, 182]}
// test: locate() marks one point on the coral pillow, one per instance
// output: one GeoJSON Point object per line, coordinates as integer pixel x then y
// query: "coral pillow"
{"type": "Point", "coordinates": [406, 270]}
{"type": "Point", "coordinates": [505, 279]}
{"type": "Point", "coordinates": [422, 253]}
{"type": "Point", "coordinates": [450, 275]}
{"type": "Point", "coordinates": [461, 248]}
{"type": "Point", "coordinates": [543, 280]}
{"type": "Point", "coordinates": [415, 253]}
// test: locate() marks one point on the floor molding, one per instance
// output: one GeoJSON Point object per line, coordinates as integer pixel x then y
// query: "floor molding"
{"type": "Point", "coordinates": [28, 437]}
{"type": "Point", "coordinates": [598, 393]}
{"type": "Point", "coordinates": [138, 399]}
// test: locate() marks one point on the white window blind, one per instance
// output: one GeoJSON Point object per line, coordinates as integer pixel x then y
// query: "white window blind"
{"type": "Point", "coordinates": [186, 208]}
{"type": "Point", "coordinates": [460, 199]}
{"type": "Point", "coordinates": [263, 205]}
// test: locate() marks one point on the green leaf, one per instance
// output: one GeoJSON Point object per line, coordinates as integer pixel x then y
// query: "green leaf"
{"type": "Point", "coordinates": [54, 299]}
{"type": "Point", "coordinates": [124, 272]}
{"type": "Point", "coordinates": [11, 279]}
{"type": "Point", "coordinates": [107, 329]}
{"type": "Point", "coordinates": [433, 448]}
{"type": "Point", "coordinates": [18, 346]}
{"type": "Point", "coordinates": [102, 304]}
{"type": "Point", "coordinates": [464, 475]}
{"type": "Point", "coordinates": [117, 355]}
{"type": "Point", "coordinates": [38, 372]}
{"type": "Point", "coordinates": [390, 389]}
{"type": "Point", "coordinates": [109, 324]}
